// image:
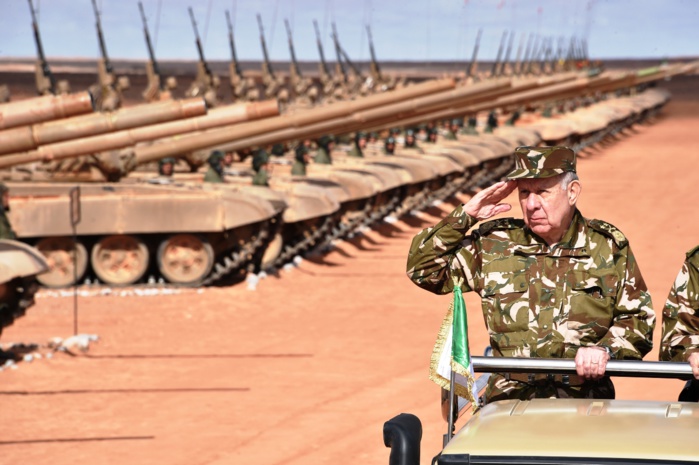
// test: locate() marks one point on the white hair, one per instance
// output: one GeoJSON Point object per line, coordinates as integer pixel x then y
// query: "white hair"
{"type": "Point", "coordinates": [567, 178]}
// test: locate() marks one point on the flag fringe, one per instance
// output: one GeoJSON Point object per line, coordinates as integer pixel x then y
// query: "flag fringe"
{"type": "Point", "coordinates": [442, 337]}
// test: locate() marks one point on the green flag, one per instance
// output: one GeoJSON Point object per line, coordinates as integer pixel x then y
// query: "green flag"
{"type": "Point", "coordinates": [451, 351]}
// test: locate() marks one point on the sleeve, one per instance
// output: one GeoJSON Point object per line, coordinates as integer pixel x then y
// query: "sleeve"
{"type": "Point", "coordinates": [444, 251]}
{"type": "Point", "coordinates": [680, 317]}
{"type": "Point", "coordinates": [631, 333]}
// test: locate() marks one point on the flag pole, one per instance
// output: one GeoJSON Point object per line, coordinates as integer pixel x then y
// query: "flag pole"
{"type": "Point", "coordinates": [450, 423]}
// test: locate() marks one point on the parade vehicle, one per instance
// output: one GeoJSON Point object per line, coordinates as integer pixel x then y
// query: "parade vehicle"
{"type": "Point", "coordinates": [561, 431]}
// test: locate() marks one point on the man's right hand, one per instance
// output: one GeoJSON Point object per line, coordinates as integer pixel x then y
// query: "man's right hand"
{"type": "Point", "coordinates": [694, 363]}
{"type": "Point", "coordinates": [486, 203]}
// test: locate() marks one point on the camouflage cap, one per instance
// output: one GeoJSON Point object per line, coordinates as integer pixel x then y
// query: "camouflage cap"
{"type": "Point", "coordinates": [260, 159]}
{"type": "Point", "coordinates": [323, 141]}
{"type": "Point", "coordinates": [542, 162]}
{"type": "Point", "coordinates": [216, 156]}
{"type": "Point", "coordinates": [278, 150]}
{"type": "Point", "coordinates": [300, 151]}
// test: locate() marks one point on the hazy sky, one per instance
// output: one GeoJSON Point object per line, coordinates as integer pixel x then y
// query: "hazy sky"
{"type": "Point", "coordinates": [402, 29]}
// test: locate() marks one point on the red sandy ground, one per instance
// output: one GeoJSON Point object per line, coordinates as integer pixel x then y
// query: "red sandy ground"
{"type": "Point", "coordinates": [308, 367]}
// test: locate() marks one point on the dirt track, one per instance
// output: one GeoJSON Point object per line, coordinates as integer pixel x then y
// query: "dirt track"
{"type": "Point", "coordinates": [308, 367]}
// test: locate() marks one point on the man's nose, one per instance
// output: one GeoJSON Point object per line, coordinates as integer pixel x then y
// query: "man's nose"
{"type": "Point", "coordinates": [533, 202]}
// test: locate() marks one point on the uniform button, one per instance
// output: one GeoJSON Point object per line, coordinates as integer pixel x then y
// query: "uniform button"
{"type": "Point", "coordinates": [546, 326]}
{"type": "Point", "coordinates": [522, 284]}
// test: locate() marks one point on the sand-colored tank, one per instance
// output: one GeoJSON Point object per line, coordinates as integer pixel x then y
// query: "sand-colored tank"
{"type": "Point", "coordinates": [131, 232]}
{"type": "Point", "coordinates": [306, 213]}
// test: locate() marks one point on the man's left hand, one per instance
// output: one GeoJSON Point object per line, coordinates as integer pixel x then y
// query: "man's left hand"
{"type": "Point", "coordinates": [591, 362]}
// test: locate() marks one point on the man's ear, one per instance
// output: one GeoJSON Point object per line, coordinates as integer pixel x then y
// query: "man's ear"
{"type": "Point", "coordinates": [574, 189]}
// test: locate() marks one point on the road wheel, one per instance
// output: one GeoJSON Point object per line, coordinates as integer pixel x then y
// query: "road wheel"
{"type": "Point", "coordinates": [185, 259]}
{"type": "Point", "coordinates": [60, 255]}
{"type": "Point", "coordinates": [120, 260]}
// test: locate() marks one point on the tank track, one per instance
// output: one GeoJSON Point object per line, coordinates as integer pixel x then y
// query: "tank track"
{"type": "Point", "coordinates": [239, 259]}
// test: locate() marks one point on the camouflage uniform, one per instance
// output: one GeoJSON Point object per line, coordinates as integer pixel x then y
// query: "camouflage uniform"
{"type": "Point", "coordinates": [389, 146]}
{"type": "Point", "coordinates": [356, 150]}
{"type": "Point", "coordinates": [259, 161]}
{"type": "Point", "coordinates": [539, 300]}
{"type": "Point", "coordinates": [299, 166]}
{"type": "Point", "coordinates": [6, 231]}
{"type": "Point", "coordinates": [323, 156]}
{"type": "Point", "coordinates": [681, 313]}
{"type": "Point", "coordinates": [215, 172]}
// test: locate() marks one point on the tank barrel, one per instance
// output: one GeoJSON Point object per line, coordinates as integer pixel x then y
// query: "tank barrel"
{"type": "Point", "coordinates": [290, 122]}
{"type": "Point", "coordinates": [231, 41]}
{"type": "Point", "coordinates": [49, 82]}
{"type": "Point", "coordinates": [221, 116]}
{"type": "Point", "coordinates": [46, 108]}
{"type": "Point", "coordinates": [522, 96]}
{"type": "Point", "coordinates": [496, 63]}
{"type": "Point", "coordinates": [197, 41]}
{"type": "Point", "coordinates": [263, 44]}
{"type": "Point", "coordinates": [149, 46]}
{"type": "Point", "coordinates": [25, 138]}
{"type": "Point", "coordinates": [554, 90]}
{"type": "Point", "coordinates": [323, 64]}
{"type": "Point", "coordinates": [474, 57]}
{"type": "Point", "coordinates": [100, 39]}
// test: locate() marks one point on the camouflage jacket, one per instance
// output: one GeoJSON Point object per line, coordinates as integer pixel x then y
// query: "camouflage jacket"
{"type": "Point", "coordinates": [323, 157]}
{"type": "Point", "coordinates": [6, 231]}
{"type": "Point", "coordinates": [261, 178]}
{"type": "Point", "coordinates": [298, 168]}
{"type": "Point", "coordinates": [681, 313]}
{"type": "Point", "coordinates": [356, 152]}
{"type": "Point", "coordinates": [212, 176]}
{"type": "Point", "coordinates": [537, 300]}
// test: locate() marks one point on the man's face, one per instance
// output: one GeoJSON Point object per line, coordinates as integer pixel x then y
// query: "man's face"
{"type": "Point", "coordinates": [409, 140]}
{"type": "Point", "coordinates": [228, 159]}
{"type": "Point", "coordinates": [167, 169]}
{"type": "Point", "coordinates": [361, 142]}
{"type": "Point", "coordinates": [547, 209]}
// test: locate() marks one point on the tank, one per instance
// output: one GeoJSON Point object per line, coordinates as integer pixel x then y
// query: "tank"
{"type": "Point", "coordinates": [184, 236]}
{"type": "Point", "coordinates": [306, 213]}
{"type": "Point", "coordinates": [229, 231]}
{"type": "Point", "coordinates": [550, 430]}
{"type": "Point", "coordinates": [19, 266]}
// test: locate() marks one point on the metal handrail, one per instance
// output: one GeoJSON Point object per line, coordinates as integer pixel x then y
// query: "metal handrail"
{"type": "Point", "coordinates": [621, 368]}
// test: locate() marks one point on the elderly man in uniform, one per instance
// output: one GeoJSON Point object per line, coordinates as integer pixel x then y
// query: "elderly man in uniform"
{"type": "Point", "coordinates": [680, 342]}
{"type": "Point", "coordinates": [553, 284]}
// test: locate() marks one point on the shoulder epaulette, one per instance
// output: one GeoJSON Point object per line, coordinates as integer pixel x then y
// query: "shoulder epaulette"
{"type": "Point", "coordinates": [693, 254]}
{"type": "Point", "coordinates": [499, 224]}
{"type": "Point", "coordinates": [610, 231]}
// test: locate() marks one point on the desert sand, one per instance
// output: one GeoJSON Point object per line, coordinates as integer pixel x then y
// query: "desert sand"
{"type": "Point", "coordinates": [306, 368]}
